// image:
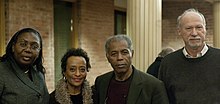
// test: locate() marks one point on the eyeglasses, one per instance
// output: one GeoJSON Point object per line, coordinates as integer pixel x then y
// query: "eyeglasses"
{"type": "Point", "coordinates": [33, 45]}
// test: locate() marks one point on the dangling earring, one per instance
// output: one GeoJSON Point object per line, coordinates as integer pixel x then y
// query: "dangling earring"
{"type": "Point", "coordinates": [64, 78]}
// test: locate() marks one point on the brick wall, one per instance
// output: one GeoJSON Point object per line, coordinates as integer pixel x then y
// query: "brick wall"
{"type": "Point", "coordinates": [96, 23]}
{"type": "Point", "coordinates": [171, 10]}
{"type": "Point", "coordinates": [36, 14]}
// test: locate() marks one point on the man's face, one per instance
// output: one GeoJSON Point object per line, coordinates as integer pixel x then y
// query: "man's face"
{"type": "Point", "coordinates": [120, 56]}
{"type": "Point", "coordinates": [193, 30]}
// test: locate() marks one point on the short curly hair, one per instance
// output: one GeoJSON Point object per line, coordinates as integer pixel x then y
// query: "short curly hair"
{"type": "Point", "coordinates": [75, 52]}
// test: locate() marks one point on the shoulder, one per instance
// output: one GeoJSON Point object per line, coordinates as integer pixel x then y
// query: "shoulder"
{"type": "Point", "coordinates": [148, 82]}
{"type": "Point", "coordinates": [4, 66]}
{"type": "Point", "coordinates": [86, 86]}
{"type": "Point", "coordinates": [52, 93]}
{"type": "Point", "coordinates": [172, 57]}
{"type": "Point", "coordinates": [176, 53]}
{"type": "Point", "coordinates": [52, 99]}
{"type": "Point", "coordinates": [105, 76]}
{"type": "Point", "coordinates": [212, 54]}
{"type": "Point", "coordinates": [212, 49]}
{"type": "Point", "coordinates": [5, 70]}
{"type": "Point", "coordinates": [103, 79]}
{"type": "Point", "coordinates": [145, 77]}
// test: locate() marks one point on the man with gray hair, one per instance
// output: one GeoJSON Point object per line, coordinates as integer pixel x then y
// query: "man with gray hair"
{"type": "Point", "coordinates": [192, 73]}
{"type": "Point", "coordinates": [125, 84]}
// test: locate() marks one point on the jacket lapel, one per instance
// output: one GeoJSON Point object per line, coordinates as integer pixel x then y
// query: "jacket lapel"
{"type": "Point", "coordinates": [135, 88]}
{"type": "Point", "coordinates": [104, 88]}
{"type": "Point", "coordinates": [27, 81]}
{"type": "Point", "coordinates": [21, 75]}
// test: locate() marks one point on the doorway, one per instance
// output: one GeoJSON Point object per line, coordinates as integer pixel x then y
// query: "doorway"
{"type": "Point", "coordinates": [62, 32]}
{"type": "Point", "coordinates": [120, 22]}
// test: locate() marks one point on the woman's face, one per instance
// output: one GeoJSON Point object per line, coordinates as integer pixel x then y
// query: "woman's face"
{"type": "Point", "coordinates": [75, 71]}
{"type": "Point", "coordinates": [26, 49]}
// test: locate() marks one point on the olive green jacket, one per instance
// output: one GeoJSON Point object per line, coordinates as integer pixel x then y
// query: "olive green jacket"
{"type": "Point", "coordinates": [144, 89]}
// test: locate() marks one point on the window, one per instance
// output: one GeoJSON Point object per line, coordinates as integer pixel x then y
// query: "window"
{"type": "Point", "coordinates": [120, 22]}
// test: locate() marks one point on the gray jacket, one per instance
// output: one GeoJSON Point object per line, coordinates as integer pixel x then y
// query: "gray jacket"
{"type": "Point", "coordinates": [17, 88]}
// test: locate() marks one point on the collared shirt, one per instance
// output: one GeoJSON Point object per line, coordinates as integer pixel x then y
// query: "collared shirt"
{"type": "Point", "coordinates": [204, 50]}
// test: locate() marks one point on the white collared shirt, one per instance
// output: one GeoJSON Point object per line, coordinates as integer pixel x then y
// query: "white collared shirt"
{"type": "Point", "coordinates": [204, 50]}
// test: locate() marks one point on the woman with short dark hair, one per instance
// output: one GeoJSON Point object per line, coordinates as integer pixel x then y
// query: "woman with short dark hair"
{"type": "Point", "coordinates": [73, 88]}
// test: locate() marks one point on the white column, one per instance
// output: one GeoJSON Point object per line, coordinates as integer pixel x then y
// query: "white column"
{"type": "Point", "coordinates": [2, 27]}
{"type": "Point", "coordinates": [144, 26]}
{"type": "Point", "coordinates": [216, 13]}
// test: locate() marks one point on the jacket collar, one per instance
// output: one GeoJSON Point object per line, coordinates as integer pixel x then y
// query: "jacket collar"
{"type": "Point", "coordinates": [63, 97]}
{"type": "Point", "coordinates": [21, 75]}
{"type": "Point", "coordinates": [135, 84]}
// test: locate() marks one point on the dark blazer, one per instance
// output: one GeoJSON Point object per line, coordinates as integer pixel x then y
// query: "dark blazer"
{"type": "Point", "coordinates": [153, 69]}
{"type": "Point", "coordinates": [144, 89]}
{"type": "Point", "coordinates": [16, 88]}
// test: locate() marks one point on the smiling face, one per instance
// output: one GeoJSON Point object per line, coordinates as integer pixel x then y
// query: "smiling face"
{"type": "Point", "coordinates": [75, 71]}
{"type": "Point", "coordinates": [192, 29]}
{"type": "Point", "coordinates": [26, 49]}
{"type": "Point", "coordinates": [120, 57]}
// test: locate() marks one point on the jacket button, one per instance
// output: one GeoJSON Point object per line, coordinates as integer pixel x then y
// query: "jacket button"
{"type": "Point", "coordinates": [39, 95]}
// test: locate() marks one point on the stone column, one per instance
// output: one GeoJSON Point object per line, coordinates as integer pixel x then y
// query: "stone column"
{"type": "Point", "coordinates": [216, 13]}
{"type": "Point", "coordinates": [2, 27]}
{"type": "Point", "coordinates": [144, 19]}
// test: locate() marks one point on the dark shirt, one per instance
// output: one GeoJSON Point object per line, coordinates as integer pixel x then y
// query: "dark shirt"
{"type": "Point", "coordinates": [118, 91]}
{"type": "Point", "coordinates": [77, 99]}
{"type": "Point", "coordinates": [154, 67]}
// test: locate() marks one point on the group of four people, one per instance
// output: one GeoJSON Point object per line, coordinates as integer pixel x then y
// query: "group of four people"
{"type": "Point", "coordinates": [187, 76]}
